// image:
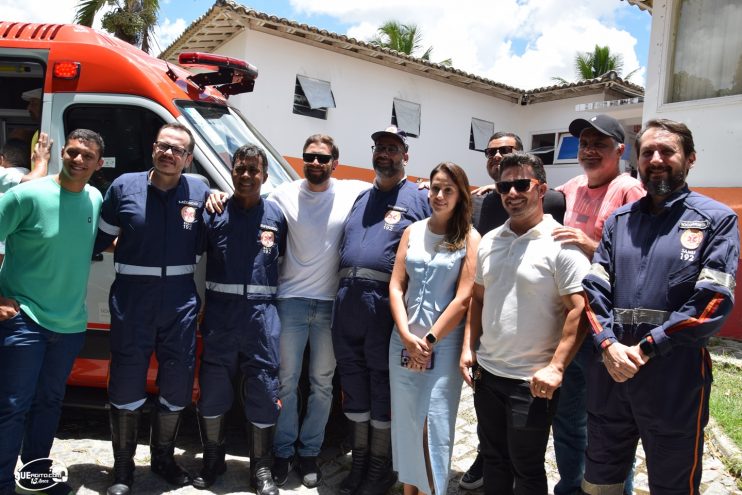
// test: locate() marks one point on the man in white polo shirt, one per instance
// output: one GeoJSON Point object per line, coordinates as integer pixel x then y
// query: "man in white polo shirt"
{"type": "Point", "coordinates": [522, 330]}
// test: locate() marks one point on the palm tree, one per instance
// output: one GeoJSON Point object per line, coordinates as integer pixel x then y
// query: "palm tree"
{"type": "Point", "coordinates": [591, 65]}
{"type": "Point", "coordinates": [130, 20]}
{"type": "Point", "coordinates": [404, 38]}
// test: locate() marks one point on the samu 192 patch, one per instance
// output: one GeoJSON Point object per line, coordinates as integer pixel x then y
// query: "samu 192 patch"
{"type": "Point", "coordinates": [188, 214]}
{"type": "Point", "coordinates": [690, 239]}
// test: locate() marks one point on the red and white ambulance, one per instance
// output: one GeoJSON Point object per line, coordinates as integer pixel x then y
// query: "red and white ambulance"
{"type": "Point", "coordinates": [90, 80]}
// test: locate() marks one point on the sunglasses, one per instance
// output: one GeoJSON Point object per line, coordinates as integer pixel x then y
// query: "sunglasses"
{"type": "Point", "coordinates": [310, 157]}
{"type": "Point", "coordinates": [520, 185]}
{"type": "Point", "coordinates": [503, 150]}
{"type": "Point", "coordinates": [177, 150]}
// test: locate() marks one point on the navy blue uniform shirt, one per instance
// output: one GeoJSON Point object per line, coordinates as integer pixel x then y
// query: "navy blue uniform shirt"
{"type": "Point", "coordinates": [680, 263]}
{"type": "Point", "coordinates": [155, 228]}
{"type": "Point", "coordinates": [376, 223]}
{"type": "Point", "coordinates": [244, 247]}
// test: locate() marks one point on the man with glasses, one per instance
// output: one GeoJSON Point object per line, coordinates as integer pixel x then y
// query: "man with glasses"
{"type": "Point", "coordinates": [363, 323]}
{"type": "Point", "coordinates": [156, 217]}
{"type": "Point", "coordinates": [521, 345]}
{"type": "Point", "coordinates": [316, 209]}
{"type": "Point", "coordinates": [492, 213]}
{"type": "Point", "coordinates": [591, 198]}
{"type": "Point", "coordinates": [661, 284]}
{"type": "Point", "coordinates": [491, 216]}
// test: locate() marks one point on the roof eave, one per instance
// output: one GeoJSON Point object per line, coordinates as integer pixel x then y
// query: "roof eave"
{"type": "Point", "coordinates": [226, 19]}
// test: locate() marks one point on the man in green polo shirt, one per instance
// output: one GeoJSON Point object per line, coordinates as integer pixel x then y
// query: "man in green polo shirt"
{"type": "Point", "coordinates": [49, 226]}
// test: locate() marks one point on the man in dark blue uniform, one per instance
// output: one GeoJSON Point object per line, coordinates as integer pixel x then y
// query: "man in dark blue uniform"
{"type": "Point", "coordinates": [156, 216]}
{"type": "Point", "coordinates": [241, 327]}
{"type": "Point", "coordinates": [363, 322]}
{"type": "Point", "coordinates": [662, 282]}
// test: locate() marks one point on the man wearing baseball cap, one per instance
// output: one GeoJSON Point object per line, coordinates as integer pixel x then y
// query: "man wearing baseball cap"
{"type": "Point", "coordinates": [591, 198]}
{"type": "Point", "coordinates": [33, 97]}
{"type": "Point", "coordinates": [363, 322]}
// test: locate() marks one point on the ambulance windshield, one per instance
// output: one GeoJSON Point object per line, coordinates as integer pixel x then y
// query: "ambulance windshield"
{"type": "Point", "coordinates": [225, 130]}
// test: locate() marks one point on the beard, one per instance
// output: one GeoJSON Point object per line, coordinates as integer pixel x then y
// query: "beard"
{"type": "Point", "coordinates": [665, 185]}
{"type": "Point", "coordinates": [388, 170]}
{"type": "Point", "coordinates": [316, 176]}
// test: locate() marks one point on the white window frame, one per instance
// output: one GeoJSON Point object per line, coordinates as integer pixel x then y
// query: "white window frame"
{"type": "Point", "coordinates": [482, 129]}
{"type": "Point", "coordinates": [407, 115]}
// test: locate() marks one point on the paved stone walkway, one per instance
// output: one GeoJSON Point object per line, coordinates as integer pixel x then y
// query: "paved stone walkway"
{"type": "Point", "coordinates": [84, 447]}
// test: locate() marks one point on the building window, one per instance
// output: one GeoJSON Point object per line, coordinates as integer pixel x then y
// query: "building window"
{"type": "Point", "coordinates": [542, 145]}
{"type": "Point", "coordinates": [566, 150]}
{"type": "Point", "coordinates": [406, 116]}
{"type": "Point", "coordinates": [312, 97]}
{"type": "Point", "coordinates": [480, 132]}
{"type": "Point", "coordinates": [557, 148]}
{"type": "Point", "coordinates": [708, 42]}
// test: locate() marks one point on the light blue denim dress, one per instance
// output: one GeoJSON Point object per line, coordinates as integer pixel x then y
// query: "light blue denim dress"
{"type": "Point", "coordinates": [433, 394]}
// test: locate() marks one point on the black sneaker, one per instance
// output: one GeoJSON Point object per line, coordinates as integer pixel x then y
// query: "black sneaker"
{"type": "Point", "coordinates": [311, 475]}
{"type": "Point", "coordinates": [282, 466]}
{"type": "Point", "coordinates": [473, 478]}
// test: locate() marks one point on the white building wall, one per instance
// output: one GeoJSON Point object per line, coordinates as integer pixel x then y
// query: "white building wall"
{"type": "Point", "coordinates": [716, 123]}
{"type": "Point", "coordinates": [364, 93]}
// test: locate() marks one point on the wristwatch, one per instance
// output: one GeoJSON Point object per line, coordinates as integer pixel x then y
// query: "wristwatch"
{"type": "Point", "coordinates": [647, 346]}
{"type": "Point", "coordinates": [432, 339]}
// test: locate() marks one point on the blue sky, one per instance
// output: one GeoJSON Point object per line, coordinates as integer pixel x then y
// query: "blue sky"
{"type": "Point", "coordinates": [523, 43]}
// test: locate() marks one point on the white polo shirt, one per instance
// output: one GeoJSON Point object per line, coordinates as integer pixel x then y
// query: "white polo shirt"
{"type": "Point", "coordinates": [523, 315]}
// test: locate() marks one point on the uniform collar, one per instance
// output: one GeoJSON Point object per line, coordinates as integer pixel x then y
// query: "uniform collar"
{"type": "Point", "coordinates": [646, 204]}
{"type": "Point", "coordinates": [404, 179]}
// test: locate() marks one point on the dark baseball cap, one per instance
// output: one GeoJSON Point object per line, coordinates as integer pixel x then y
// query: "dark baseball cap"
{"type": "Point", "coordinates": [604, 124]}
{"type": "Point", "coordinates": [391, 131]}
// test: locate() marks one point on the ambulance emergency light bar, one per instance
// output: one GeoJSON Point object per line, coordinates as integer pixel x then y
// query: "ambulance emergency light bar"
{"type": "Point", "coordinates": [228, 75]}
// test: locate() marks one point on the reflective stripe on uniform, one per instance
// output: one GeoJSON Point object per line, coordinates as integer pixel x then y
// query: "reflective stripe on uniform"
{"type": "Point", "coordinates": [241, 289]}
{"type": "Point", "coordinates": [154, 271]}
{"type": "Point", "coordinates": [367, 273]}
{"type": "Point", "coordinates": [636, 316]}
{"type": "Point", "coordinates": [715, 277]}
{"type": "Point", "coordinates": [108, 228]}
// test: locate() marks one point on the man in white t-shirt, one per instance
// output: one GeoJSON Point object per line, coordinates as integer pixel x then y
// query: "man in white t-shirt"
{"type": "Point", "coordinates": [315, 209]}
{"type": "Point", "coordinates": [522, 330]}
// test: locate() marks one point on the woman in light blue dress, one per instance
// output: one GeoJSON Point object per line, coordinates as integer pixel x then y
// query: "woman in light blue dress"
{"type": "Point", "coordinates": [429, 293]}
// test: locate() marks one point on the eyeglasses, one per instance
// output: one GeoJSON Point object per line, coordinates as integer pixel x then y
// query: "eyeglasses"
{"type": "Point", "coordinates": [177, 150]}
{"type": "Point", "coordinates": [503, 150]}
{"type": "Point", "coordinates": [520, 185]}
{"type": "Point", "coordinates": [391, 150]}
{"type": "Point", "coordinates": [310, 157]}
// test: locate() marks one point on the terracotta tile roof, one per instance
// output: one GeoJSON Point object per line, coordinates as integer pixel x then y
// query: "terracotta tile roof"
{"type": "Point", "coordinates": [226, 19]}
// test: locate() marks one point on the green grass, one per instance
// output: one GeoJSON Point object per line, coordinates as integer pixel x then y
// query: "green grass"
{"type": "Point", "coordinates": [726, 400]}
{"type": "Point", "coordinates": [725, 406]}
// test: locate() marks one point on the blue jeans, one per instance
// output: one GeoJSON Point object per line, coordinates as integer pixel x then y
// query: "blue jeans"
{"type": "Point", "coordinates": [34, 366]}
{"type": "Point", "coordinates": [569, 426]}
{"type": "Point", "coordinates": [301, 320]}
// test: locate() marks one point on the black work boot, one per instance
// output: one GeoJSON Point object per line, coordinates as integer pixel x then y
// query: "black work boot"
{"type": "Point", "coordinates": [261, 448]}
{"type": "Point", "coordinates": [359, 455]}
{"type": "Point", "coordinates": [212, 439]}
{"type": "Point", "coordinates": [162, 445]}
{"type": "Point", "coordinates": [380, 477]}
{"type": "Point", "coordinates": [124, 427]}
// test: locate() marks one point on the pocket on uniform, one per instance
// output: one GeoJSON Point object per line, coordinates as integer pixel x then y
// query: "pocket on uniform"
{"type": "Point", "coordinates": [680, 284]}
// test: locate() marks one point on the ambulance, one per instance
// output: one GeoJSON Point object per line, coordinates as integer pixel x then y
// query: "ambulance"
{"type": "Point", "coordinates": [59, 77]}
